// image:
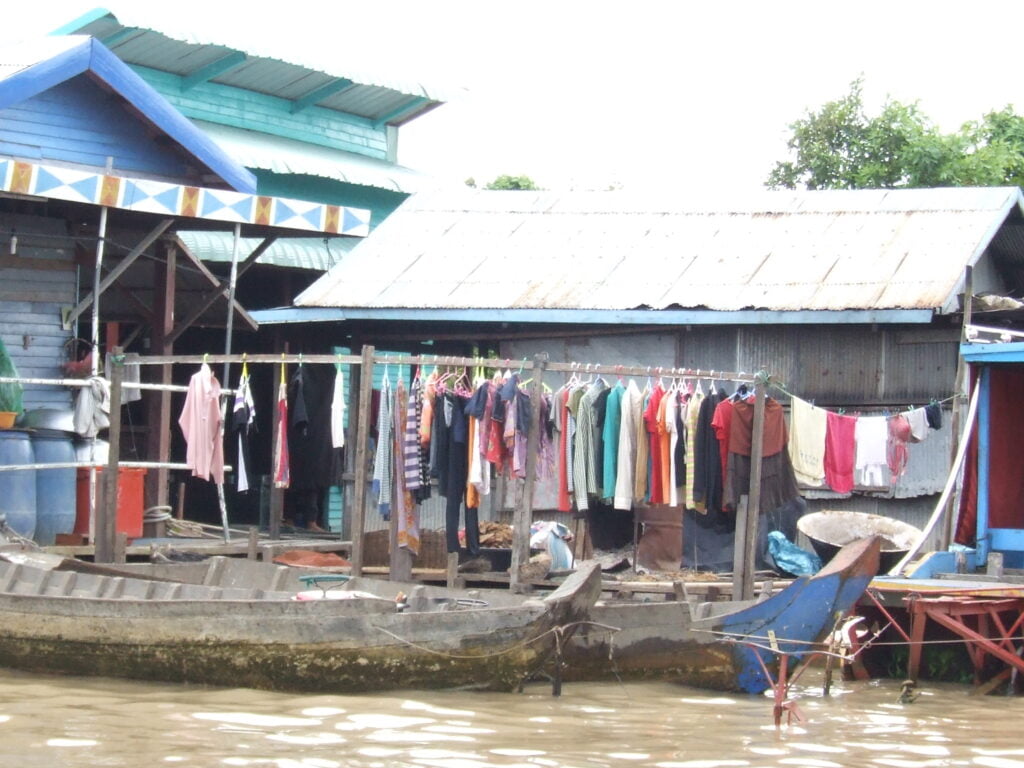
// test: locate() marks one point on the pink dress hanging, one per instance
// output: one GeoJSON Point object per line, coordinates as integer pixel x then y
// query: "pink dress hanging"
{"type": "Point", "coordinates": [282, 477]}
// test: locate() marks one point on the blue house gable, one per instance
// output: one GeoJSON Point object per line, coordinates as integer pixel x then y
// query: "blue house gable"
{"type": "Point", "coordinates": [71, 101]}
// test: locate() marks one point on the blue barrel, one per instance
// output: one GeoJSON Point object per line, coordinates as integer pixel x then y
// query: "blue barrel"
{"type": "Point", "coordinates": [55, 488]}
{"type": "Point", "coordinates": [18, 487]}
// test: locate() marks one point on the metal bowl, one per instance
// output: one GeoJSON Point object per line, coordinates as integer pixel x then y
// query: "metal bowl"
{"type": "Point", "coordinates": [59, 419]}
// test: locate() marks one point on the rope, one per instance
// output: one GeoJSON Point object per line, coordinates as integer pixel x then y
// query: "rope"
{"type": "Point", "coordinates": [779, 640]}
{"type": "Point", "coordinates": [553, 630]}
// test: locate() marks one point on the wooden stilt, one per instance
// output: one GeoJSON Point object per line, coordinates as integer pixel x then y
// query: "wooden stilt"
{"type": "Point", "coordinates": [106, 512]}
{"type": "Point", "coordinates": [362, 448]}
{"type": "Point", "coordinates": [745, 552]}
{"type": "Point", "coordinates": [524, 511]}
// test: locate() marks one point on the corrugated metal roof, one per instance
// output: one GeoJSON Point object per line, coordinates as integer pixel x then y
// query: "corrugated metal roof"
{"type": "Point", "coordinates": [866, 249]}
{"type": "Point", "coordinates": [297, 252]}
{"type": "Point", "coordinates": [162, 38]}
{"type": "Point", "coordinates": [273, 153]}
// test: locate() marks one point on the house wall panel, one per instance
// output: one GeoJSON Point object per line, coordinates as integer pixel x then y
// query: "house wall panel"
{"type": "Point", "coordinates": [77, 122]}
{"type": "Point", "coordinates": [31, 298]}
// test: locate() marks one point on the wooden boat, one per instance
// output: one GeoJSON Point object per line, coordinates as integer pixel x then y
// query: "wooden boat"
{"type": "Point", "coordinates": [717, 645]}
{"type": "Point", "coordinates": [251, 633]}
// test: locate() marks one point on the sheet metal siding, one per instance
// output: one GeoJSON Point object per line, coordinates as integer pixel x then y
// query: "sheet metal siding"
{"type": "Point", "coordinates": [76, 122]}
{"type": "Point", "coordinates": [227, 105]}
{"type": "Point", "coordinates": [31, 297]}
{"type": "Point", "coordinates": [613, 251]}
{"type": "Point", "coordinates": [915, 370]}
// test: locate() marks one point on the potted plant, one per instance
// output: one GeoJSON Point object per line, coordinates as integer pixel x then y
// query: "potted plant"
{"type": "Point", "coordinates": [10, 392]}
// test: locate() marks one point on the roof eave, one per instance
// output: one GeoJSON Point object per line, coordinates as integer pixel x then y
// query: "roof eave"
{"type": "Point", "coordinates": [667, 317]}
{"type": "Point", "coordinates": [1014, 197]}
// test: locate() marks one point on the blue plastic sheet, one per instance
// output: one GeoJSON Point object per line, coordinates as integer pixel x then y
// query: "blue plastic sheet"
{"type": "Point", "coordinates": [789, 558]}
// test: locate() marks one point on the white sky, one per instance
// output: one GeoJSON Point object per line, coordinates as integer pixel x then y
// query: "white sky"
{"type": "Point", "coordinates": [678, 95]}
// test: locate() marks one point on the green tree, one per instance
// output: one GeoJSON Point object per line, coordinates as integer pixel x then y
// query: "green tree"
{"type": "Point", "coordinates": [512, 182]}
{"type": "Point", "coordinates": [841, 147]}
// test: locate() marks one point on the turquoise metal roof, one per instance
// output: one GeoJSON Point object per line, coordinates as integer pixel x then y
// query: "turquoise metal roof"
{"type": "Point", "coordinates": [161, 37]}
{"type": "Point", "coordinates": [314, 253]}
{"type": "Point", "coordinates": [282, 155]}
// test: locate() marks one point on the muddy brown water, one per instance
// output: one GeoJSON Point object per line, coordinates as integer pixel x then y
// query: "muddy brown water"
{"type": "Point", "coordinates": [59, 721]}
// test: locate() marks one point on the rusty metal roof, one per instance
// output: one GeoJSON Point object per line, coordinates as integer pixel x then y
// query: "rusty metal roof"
{"type": "Point", "coordinates": [823, 250]}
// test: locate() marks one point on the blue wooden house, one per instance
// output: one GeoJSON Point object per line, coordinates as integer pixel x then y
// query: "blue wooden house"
{"type": "Point", "coordinates": [99, 176]}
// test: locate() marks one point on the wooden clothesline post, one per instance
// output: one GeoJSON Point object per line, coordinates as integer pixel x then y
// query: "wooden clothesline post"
{"type": "Point", "coordinates": [745, 546]}
{"type": "Point", "coordinates": [362, 448]}
{"type": "Point", "coordinates": [106, 512]}
{"type": "Point", "coordinates": [523, 517]}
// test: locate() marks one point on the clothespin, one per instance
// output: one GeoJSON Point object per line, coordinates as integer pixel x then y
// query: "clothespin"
{"type": "Point", "coordinates": [206, 358]}
{"type": "Point", "coordinates": [284, 379]}
{"type": "Point", "coordinates": [245, 364]}
{"type": "Point", "coordinates": [300, 359]}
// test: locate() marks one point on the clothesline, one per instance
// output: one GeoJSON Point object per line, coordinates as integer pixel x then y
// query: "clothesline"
{"type": "Point", "coordinates": [454, 360]}
{"type": "Point", "coordinates": [838, 409]}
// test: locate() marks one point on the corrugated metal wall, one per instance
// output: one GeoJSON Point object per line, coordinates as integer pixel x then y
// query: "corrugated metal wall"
{"type": "Point", "coordinates": [838, 365]}
{"type": "Point", "coordinates": [37, 282]}
{"type": "Point", "coordinates": [855, 367]}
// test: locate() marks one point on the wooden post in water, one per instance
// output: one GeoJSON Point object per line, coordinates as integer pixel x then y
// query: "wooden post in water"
{"type": "Point", "coordinates": [948, 531]}
{"type": "Point", "coordinates": [399, 558]}
{"type": "Point", "coordinates": [362, 447]}
{"type": "Point", "coordinates": [106, 512]}
{"type": "Point", "coordinates": [524, 511]}
{"type": "Point", "coordinates": [745, 550]}
{"type": "Point", "coordinates": [276, 510]}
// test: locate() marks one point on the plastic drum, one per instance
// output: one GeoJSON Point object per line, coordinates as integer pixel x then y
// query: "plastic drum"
{"type": "Point", "coordinates": [18, 487]}
{"type": "Point", "coordinates": [55, 488]}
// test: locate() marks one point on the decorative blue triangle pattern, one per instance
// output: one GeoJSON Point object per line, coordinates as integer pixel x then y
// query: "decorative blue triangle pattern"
{"type": "Point", "coordinates": [146, 195]}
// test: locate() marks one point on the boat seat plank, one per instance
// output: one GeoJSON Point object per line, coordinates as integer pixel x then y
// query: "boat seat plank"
{"type": "Point", "coordinates": [11, 573]}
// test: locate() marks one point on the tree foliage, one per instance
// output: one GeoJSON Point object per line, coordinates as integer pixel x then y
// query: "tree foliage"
{"type": "Point", "coordinates": [841, 147]}
{"type": "Point", "coordinates": [512, 182]}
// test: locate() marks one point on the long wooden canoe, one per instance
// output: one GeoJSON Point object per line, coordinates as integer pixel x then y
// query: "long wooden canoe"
{"type": "Point", "coordinates": [244, 635]}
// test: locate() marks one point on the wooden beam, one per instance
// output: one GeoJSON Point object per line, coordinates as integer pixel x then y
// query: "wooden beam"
{"type": "Point", "coordinates": [276, 511]}
{"type": "Point", "coordinates": [745, 551]}
{"type": "Point", "coordinates": [220, 288]}
{"type": "Point", "coordinates": [404, 109]}
{"type": "Point", "coordinates": [524, 511]}
{"type": "Point", "coordinates": [117, 271]}
{"type": "Point", "coordinates": [212, 70]}
{"type": "Point", "coordinates": [158, 404]}
{"type": "Point", "coordinates": [319, 94]}
{"type": "Point", "coordinates": [948, 531]}
{"type": "Point", "coordinates": [362, 448]}
{"type": "Point", "coordinates": [106, 512]}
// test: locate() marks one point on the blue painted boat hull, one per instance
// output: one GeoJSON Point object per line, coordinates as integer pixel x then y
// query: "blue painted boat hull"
{"type": "Point", "coordinates": [703, 644]}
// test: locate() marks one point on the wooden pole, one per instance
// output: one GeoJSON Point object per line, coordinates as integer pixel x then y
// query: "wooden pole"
{"type": "Point", "coordinates": [106, 513]}
{"type": "Point", "coordinates": [399, 558]}
{"type": "Point", "coordinates": [956, 422]}
{"type": "Point", "coordinates": [158, 404]}
{"type": "Point", "coordinates": [276, 511]}
{"type": "Point", "coordinates": [745, 551]}
{"type": "Point", "coordinates": [524, 511]}
{"type": "Point", "coordinates": [362, 448]}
